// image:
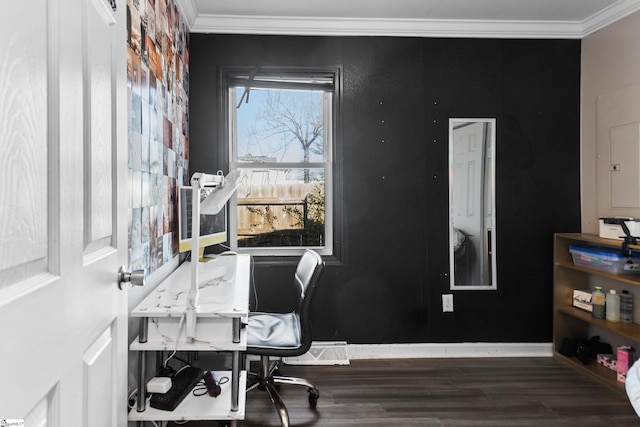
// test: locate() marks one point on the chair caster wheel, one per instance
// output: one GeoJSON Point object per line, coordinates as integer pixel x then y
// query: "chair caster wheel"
{"type": "Point", "coordinates": [314, 395]}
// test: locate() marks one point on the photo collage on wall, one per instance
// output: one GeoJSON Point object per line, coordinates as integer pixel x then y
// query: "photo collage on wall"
{"type": "Point", "coordinates": [158, 101]}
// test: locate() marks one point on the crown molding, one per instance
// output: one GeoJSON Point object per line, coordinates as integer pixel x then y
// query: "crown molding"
{"type": "Point", "coordinates": [280, 25]}
{"type": "Point", "coordinates": [286, 25]}
{"type": "Point", "coordinates": [188, 11]}
{"type": "Point", "coordinates": [609, 15]}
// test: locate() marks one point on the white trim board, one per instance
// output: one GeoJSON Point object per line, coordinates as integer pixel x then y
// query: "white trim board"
{"type": "Point", "coordinates": [448, 350]}
{"type": "Point", "coordinates": [443, 350]}
{"type": "Point", "coordinates": [342, 26]}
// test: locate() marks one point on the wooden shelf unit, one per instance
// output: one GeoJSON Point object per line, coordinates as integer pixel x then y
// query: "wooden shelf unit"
{"type": "Point", "coordinates": [572, 322]}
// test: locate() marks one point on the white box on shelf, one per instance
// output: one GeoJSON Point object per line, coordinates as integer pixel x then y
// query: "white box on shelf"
{"type": "Point", "coordinates": [582, 299]}
{"type": "Point", "coordinates": [159, 385]}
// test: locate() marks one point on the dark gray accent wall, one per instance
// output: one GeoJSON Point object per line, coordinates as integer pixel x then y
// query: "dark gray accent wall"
{"type": "Point", "coordinates": [385, 285]}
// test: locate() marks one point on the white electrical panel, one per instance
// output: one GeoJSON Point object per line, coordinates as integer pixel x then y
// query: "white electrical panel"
{"type": "Point", "coordinates": [625, 166]}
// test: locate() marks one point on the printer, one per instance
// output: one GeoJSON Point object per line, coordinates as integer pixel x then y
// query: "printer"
{"type": "Point", "coordinates": [610, 228]}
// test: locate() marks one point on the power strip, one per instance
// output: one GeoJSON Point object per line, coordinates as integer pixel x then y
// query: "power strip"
{"type": "Point", "coordinates": [182, 383]}
{"type": "Point", "coordinates": [159, 385]}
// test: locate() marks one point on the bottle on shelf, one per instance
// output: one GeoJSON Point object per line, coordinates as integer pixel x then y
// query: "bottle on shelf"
{"type": "Point", "coordinates": [598, 302]}
{"type": "Point", "coordinates": [626, 307]}
{"type": "Point", "coordinates": [613, 306]}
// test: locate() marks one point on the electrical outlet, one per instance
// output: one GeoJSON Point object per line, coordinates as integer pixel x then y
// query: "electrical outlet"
{"type": "Point", "coordinates": [447, 303]}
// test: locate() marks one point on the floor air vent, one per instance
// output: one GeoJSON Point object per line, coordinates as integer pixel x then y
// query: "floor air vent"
{"type": "Point", "coordinates": [322, 353]}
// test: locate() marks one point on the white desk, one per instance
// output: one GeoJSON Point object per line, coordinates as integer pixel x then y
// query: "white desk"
{"type": "Point", "coordinates": [223, 305]}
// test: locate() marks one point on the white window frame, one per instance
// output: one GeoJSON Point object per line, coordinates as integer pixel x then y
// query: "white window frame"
{"type": "Point", "coordinates": [327, 164]}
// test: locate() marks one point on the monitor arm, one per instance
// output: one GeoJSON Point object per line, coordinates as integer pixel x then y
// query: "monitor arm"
{"type": "Point", "coordinates": [628, 238]}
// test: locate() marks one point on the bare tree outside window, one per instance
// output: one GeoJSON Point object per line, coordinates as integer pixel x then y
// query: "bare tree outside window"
{"type": "Point", "coordinates": [290, 117]}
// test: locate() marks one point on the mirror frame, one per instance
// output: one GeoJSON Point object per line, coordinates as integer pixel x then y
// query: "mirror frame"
{"type": "Point", "coordinates": [453, 122]}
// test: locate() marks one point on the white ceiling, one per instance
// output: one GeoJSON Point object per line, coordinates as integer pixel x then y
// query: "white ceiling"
{"type": "Point", "coordinates": [419, 18]}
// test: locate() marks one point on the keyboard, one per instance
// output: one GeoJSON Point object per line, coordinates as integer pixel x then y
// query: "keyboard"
{"type": "Point", "coordinates": [182, 384]}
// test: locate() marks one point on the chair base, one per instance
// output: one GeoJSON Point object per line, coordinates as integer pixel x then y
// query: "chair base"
{"type": "Point", "coordinates": [266, 380]}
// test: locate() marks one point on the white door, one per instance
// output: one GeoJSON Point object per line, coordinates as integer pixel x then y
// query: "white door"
{"type": "Point", "coordinates": [468, 202]}
{"type": "Point", "coordinates": [63, 189]}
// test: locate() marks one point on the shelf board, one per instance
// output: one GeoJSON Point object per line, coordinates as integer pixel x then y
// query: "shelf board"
{"type": "Point", "coordinates": [594, 238]}
{"type": "Point", "coordinates": [212, 334]}
{"type": "Point", "coordinates": [184, 345]}
{"type": "Point", "coordinates": [630, 278]}
{"type": "Point", "coordinates": [627, 330]}
{"type": "Point", "coordinates": [200, 408]}
{"type": "Point", "coordinates": [595, 370]}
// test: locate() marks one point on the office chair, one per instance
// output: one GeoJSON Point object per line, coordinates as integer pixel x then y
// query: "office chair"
{"type": "Point", "coordinates": [285, 335]}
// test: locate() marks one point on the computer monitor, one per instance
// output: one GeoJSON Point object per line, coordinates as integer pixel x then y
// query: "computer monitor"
{"type": "Point", "coordinates": [213, 228]}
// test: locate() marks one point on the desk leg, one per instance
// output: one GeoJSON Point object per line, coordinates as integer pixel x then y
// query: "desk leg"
{"type": "Point", "coordinates": [235, 368]}
{"type": "Point", "coordinates": [237, 326]}
{"type": "Point", "coordinates": [142, 366]}
{"type": "Point", "coordinates": [235, 381]}
{"type": "Point", "coordinates": [142, 372]}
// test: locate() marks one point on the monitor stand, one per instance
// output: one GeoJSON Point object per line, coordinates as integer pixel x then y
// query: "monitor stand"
{"type": "Point", "coordinates": [204, 258]}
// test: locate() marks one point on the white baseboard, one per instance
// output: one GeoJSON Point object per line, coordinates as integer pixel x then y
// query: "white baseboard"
{"type": "Point", "coordinates": [444, 350]}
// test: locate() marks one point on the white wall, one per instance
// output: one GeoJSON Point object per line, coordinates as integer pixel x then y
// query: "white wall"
{"type": "Point", "coordinates": [610, 61]}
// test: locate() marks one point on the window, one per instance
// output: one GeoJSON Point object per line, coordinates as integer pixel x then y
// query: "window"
{"type": "Point", "coordinates": [281, 136]}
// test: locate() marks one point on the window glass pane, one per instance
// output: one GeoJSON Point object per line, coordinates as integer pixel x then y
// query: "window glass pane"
{"type": "Point", "coordinates": [281, 138]}
{"type": "Point", "coordinates": [281, 208]}
{"type": "Point", "coordinates": [278, 125]}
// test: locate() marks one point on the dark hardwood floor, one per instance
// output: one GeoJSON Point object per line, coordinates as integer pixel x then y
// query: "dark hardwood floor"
{"type": "Point", "coordinates": [445, 392]}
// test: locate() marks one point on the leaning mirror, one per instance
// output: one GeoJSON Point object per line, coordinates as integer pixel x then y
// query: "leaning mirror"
{"type": "Point", "coordinates": [472, 219]}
